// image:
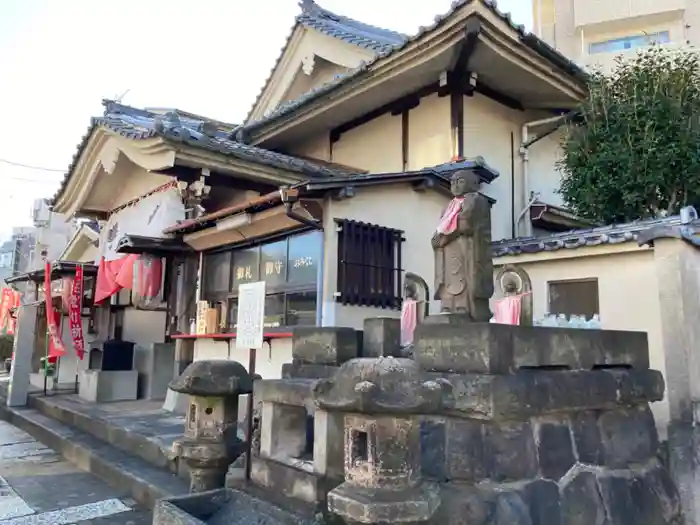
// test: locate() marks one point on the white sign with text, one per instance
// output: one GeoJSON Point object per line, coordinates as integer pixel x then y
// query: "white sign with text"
{"type": "Point", "coordinates": [251, 315]}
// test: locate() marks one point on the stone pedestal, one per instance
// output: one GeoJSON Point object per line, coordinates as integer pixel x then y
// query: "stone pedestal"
{"type": "Point", "coordinates": [543, 426]}
{"type": "Point", "coordinates": [23, 351]}
{"type": "Point", "coordinates": [104, 386]}
{"type": "Point", "coordinates": [211, 443]}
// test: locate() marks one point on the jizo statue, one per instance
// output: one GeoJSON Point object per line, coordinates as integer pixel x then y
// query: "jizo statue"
{"type": "Point", "coordinates": [462, 248]}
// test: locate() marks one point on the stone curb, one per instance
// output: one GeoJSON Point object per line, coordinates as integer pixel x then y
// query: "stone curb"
{"type": "Point", "coordinates": [144, 482]}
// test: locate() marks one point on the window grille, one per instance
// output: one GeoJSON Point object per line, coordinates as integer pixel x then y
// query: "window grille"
{"type": "Point", "coordinates": [369, 264]}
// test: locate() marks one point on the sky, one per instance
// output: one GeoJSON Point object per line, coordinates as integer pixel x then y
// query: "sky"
{"type": "Point", "coordinates": [60, 58]}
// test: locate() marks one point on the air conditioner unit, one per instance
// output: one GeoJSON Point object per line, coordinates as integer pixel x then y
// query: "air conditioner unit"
{"type": "Point", "coordinates": [41, 214]}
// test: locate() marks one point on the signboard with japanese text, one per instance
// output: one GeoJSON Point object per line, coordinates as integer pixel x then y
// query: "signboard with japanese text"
{"type": "Point", "coordinates": [251, 315]}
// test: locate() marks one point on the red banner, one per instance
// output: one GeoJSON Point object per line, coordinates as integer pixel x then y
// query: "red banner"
{"type": "Point", "coordinates": [13, 312]}
{"type": "Point", "coordinates": [75, 309]}
{"type": "Point", "coordinates": [56, 347]}
{"type": "Point", "coordinates": [5, 305]}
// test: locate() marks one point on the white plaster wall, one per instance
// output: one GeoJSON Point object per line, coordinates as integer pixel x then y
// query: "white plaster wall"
{"type": "Point", "coordinates": [268, 362]}
{"type": "Point", "coordinates": [144, 327]}
{"type": "Point", "coordinates": [394, 206]}
{"type": "Point", "coordinates": [627, 290]}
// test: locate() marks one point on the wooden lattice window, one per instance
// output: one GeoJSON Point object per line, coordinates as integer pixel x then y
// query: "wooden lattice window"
{"type": "Point", "coordinates": [369, 264]}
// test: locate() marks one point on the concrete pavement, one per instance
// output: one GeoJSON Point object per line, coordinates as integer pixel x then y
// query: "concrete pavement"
{"type": "Point", "coordinates": [38, 487]}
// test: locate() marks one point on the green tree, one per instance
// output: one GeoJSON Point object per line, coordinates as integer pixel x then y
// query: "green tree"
{"type": "Point", "coordinates": [635, 152]}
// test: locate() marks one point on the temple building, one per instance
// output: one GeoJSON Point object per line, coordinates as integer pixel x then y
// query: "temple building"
{"type": "Point", "coordinates": [330, 189]}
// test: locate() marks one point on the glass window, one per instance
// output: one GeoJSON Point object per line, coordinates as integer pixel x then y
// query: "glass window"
{"type": "Point", "coordinates": [274, 311]}
{"type": "Point", "coordinates": [273, 262]}
{"type": "Point", "coordinates": [301, 309]}
{"type": "Point", "coordinates": [245, 267]}
{"type": "Point", "coordinates": [304, 258]}
{"type": "Point", "coordinates": [617, 45]}
{"type": "Point", "coordinates": [216, 274]}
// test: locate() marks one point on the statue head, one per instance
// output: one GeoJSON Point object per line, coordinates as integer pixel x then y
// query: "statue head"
{"type": "Point", "coordinates": [409, 290]}
{"type": "Point", "coordinates": [463, 182]}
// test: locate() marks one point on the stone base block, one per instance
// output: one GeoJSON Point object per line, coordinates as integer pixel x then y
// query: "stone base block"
{"type": "Point", "coordinates": [324, 345]}
{"type": "Point", "coordinates": [295, 392]}
{"type": "Point", "coordinates": [104, 386]}
{"type": "Point", "coordinates": [644, 495]}
{"type": "Point", "coordinates": [175, 402]}
{"type": "Point", "coordinates": [527, 393]}
{"type": "Point", "coordinates": [291, 482]}
{"type": "Point", "coordinates": [356, 505]}
{"type": "Point", "coordinates": [381, 337]}
{"type": "Point", "coordinates": [298, 370]}
{"type": "Point", "coordinates": [450, 344]}
{"type": "Point", "coordinates": [475, 450]}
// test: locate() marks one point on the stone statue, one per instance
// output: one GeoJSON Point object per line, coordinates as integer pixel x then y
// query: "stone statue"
{"type": "Point", "coordinates": [462, 247]}
{"type": "Point", "coordinates": [515, 285]}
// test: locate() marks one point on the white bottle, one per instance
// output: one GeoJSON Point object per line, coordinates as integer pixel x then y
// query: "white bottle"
{"type": "Point", "coordinates": [548, 320]}
{"type": "Point", "coordinates": [595, 322]}
{"type": "Point", "coordinates": [562, 321]}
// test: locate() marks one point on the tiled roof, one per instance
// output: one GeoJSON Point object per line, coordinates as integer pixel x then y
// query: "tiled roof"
{"type": "Point", "coordinates": [341, 27]}
{"type": "Point", "coordinates": [613, 234]}
{"type": "Point", "coordinates": [530, 40]}
{"type": "Point", "coordinates": [140, 124]}
{"type": "Point", "coordinates": [347, 29]}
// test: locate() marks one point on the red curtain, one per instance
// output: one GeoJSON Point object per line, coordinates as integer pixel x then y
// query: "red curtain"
{"type": "Point", "coordinates": [112, 276]}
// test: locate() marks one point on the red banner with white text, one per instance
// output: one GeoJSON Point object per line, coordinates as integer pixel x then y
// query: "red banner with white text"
{"type": "Point", "coordinates": [16, 300]}
{"type": "Point", "coordinates": [56, 347]}
{"type": "Point", "coordinates": [75, 308]}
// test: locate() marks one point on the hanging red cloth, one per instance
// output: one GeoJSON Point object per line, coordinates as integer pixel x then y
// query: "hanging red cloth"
{"type": "Point", "coordinates": [5, 305]}
{"type": "Point", "coordinates": [56, 347]}
{"type": "Point", "coordinates": [149, 276]}
{"type": "Point", "coordinates": [112, 276]}
{"type": "Point", "coordinates": [14, 312]}
{"type": "Point", "coordinates": [53, 319]}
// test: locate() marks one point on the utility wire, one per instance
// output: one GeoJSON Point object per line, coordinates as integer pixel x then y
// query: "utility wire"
{"type": "Point", "coordinates": [39, 168]}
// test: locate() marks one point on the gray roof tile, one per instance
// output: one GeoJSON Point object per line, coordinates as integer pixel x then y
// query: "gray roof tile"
{"type": "Point", "coordinates": [612, 234]}
{"type": "Point", "coordinates": [347, 29]}
{"type": "Point", "coordinates": [341, 27]}
{"type": "Point", "coordinates": [530, 40]}
{"type": "Point", "coordinates": [140, 124]}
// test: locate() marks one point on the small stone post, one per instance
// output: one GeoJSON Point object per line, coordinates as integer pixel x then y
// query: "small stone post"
{"type": "Point", "coordinates": [23, 351]}
{"type": "Point", "coordinates": [211, 443]}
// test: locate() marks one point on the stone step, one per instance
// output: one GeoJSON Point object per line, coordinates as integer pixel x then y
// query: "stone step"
{"type": "Point", "coordinates": [126, 472]}
{"type": "Point", "coordinates": [150, 449]}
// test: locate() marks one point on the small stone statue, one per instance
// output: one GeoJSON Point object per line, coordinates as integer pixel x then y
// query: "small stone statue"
{"type": "Point", "coordinates": [414, 308]}
{"type": "Point", "coordinates": [462, 248]}
{"type": "Point", "coordinates": [516, 305]}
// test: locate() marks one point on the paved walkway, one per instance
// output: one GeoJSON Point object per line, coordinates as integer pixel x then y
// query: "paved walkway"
{"type": "Point", "coordinates": [38, 487]}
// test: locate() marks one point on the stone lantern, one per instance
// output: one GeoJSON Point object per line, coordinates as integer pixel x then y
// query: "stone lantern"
{"type": "Point", "coordinates": [381, 400]}
{"type": "Point", "coordinates": [211, 441]}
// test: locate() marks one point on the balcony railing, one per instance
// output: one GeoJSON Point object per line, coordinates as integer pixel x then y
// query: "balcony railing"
{"type": "Point", "coordinates": [588, 12]}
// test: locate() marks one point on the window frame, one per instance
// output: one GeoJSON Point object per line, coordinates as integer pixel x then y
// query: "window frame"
{"type": "Point", "coordinates": [363, 279]}
{"type": "Point", "coordinates": [627, 42]}
{"type": "Point", "coordinates": [584, 280]}
{"type": "Point", "coordinates": [285, 288]}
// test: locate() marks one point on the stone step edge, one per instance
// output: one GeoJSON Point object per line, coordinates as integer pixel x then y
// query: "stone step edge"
{"type": "Point", "coordinates": [144, 482]}
{"type": "Point", "coordinates": [130, 442]}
